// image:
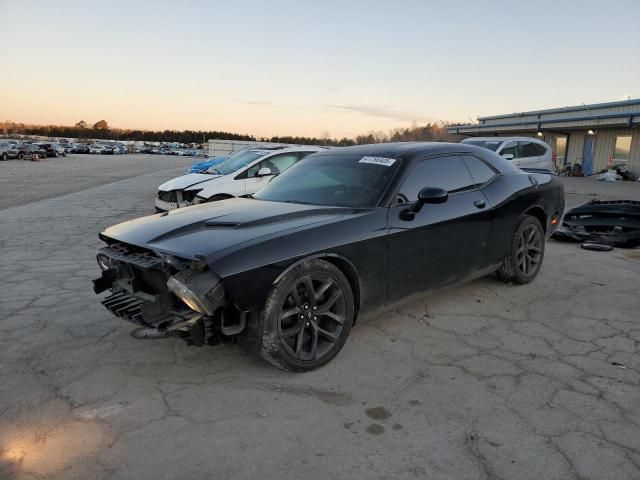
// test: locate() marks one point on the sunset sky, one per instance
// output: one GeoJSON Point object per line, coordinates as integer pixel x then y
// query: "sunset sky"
{"type": "Point", "coordinates": [305, 67]}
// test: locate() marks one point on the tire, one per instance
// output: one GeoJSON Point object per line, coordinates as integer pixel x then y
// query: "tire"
{"type": "Point", "coordinates": [314, 328]}
{"type": "Point", "coordinates": [526, 253]}
{"type": "Point", "coordinates": [20, 156]}
{"type": "Point", "coordinates": [4, 157]}
{"type": "Point", "coordinates": [55, 154]}
{"type": "Point", "coordinates": [64, 154]}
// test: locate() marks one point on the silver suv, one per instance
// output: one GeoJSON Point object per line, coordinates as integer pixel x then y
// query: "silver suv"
{"type": "Point", "coordinates": [526, 153]}
{"type": "Point", "coordinates": [10, 150]}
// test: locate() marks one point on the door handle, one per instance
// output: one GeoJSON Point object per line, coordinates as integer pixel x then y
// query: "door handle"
{"type": "Point", "coordinates": [480, 203]}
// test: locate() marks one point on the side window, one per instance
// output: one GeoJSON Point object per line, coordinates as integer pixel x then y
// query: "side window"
{"type": "Point", "coordinates": [449, 173]}
{"type": "Point", "coordinates": [480, 171]}
{"type": "Point", "coordinates": [252, 171]}
{"type": "Point", "coordinates": [510, 149]}
{"type": "Point", "coordinates": [531, 149]}
{"type": "Point", "coordinates": [279, 163]}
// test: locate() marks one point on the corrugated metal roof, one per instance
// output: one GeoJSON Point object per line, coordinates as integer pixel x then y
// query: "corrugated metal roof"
{"type": "Point", "coordinates": [576, 108]}
{"type": "Point", "coordinates": [623, 113]}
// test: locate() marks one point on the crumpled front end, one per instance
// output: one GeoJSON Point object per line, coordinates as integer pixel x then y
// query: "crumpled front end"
{"type": "Point", "coordinates": [170, 200]}
{"type": "Point", "coordinates": [165, 295]}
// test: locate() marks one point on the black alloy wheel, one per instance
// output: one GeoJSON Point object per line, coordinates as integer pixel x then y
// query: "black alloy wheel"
{"type": "Point", "coordinates": [524, 259]}
{"type": "Point", "coordinates": [312, 317]}
{"type": "Point", "coordinates": [307, 317]}
{"type": "Point", "coordinates": [529, 251]}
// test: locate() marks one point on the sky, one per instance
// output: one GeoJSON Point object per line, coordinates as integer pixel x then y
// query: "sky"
{"type": "Point", "coordinates": [309, 67]}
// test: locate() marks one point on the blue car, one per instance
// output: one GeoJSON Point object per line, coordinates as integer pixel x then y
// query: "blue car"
{"type": "Point", "coordinates": [201, 167]}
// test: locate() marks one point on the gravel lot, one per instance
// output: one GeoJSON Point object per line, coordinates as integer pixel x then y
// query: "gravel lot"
{"type": "Point", "coordinates": [482, 381]}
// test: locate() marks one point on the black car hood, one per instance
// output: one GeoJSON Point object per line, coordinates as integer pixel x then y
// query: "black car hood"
{"type": "Point", "coordinates": [203, 230]}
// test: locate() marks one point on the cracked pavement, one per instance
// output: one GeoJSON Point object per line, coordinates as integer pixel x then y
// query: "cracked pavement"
{"type": "Point", "coordinates": [481, 381]}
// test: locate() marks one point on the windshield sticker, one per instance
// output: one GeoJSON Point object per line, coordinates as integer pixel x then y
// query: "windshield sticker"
{"type": "Point", "coordinates": [387, 162]}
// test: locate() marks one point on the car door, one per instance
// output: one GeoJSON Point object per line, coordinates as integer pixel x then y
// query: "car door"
{"type": "Point", "coordinates": [512, 152]}
{"type": "Point", "coordinates": [443, 243]}
{"type": "Point", "coordinates": [276, 163]}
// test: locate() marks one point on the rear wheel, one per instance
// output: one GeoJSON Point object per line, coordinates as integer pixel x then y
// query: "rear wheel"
{"type": "Point", "coordinates": [307, 317]}
{"type": "Point", "coordinates": [526, 253]}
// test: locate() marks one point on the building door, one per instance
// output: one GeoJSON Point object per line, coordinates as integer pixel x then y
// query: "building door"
{"type": "Point", "coordinates": [560, 151]}
{"type": "Point", "coordinates": [587, 155]}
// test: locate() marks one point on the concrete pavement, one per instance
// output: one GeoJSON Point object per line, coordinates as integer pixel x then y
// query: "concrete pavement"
{"type": "Point", "coordinates": [482, 381]}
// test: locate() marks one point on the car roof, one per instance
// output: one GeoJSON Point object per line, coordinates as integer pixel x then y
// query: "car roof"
{"type": "Point", "coordinates": [410, 152]}
{"type": "Point", "coordinates": [403, 149]}
{"type": "Point", "coordinates": [500, 139]}
{"type": "Point", "coordinates": [286, 148]}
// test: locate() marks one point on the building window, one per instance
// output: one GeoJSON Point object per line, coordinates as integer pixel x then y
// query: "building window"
{"type": "Point", "coordinates": [622, 148]}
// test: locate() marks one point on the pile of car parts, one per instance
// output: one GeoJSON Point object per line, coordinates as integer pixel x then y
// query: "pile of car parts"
{"type": "Point", "coordinates": [606, 222]}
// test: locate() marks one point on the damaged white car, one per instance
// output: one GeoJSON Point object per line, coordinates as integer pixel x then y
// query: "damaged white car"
{"type": "Point", "coordinates": [243, 173]}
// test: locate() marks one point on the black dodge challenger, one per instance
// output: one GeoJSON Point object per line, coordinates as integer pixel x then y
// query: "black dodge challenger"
{"type": "Point", "coordinates": [341, 233]}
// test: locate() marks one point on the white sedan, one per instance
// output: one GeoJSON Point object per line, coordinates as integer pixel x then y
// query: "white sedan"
{"type": "Point", "coordinates": [243, 173]}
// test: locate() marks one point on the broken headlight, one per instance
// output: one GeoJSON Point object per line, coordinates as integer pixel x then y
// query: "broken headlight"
{"type": "Point", "coordinates": [103, 261]}
{"type": "Point", "coordinates": [200, 291]}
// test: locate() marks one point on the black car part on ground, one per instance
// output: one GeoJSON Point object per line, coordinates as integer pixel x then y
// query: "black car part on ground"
{"type": "Point", "coordinates": [596, 247]}
{"type": "Point", "coordinates": [607, 222]}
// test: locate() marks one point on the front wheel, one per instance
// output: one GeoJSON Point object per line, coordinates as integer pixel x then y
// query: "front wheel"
{"type": "Point", "coordinates": [307, 317]}
{"type": "Point", "coordinates": [526, 252]}
{"type": "Point", "coordinates": [4, 157]}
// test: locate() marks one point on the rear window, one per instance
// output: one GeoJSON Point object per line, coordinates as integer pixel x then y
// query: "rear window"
{"type": "Point", "coordinates": [480, 171]}
{"type": "Point", "coordinates": [531, 149]}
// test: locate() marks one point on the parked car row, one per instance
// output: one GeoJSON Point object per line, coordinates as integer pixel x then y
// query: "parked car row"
{"type": "Point", "coordinates": [170, 150]}
{"type": "Point", "coordinates": [21, 150]}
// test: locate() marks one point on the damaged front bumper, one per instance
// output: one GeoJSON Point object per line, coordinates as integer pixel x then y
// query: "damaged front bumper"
{"type": "Point", "coordinates": [165, 295]}
{"type": "Point", "coordinates": [170, 200]}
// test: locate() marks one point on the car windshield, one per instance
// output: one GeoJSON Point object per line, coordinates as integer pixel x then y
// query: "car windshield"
{"type": "Point", "coordinates": [490, 144]}
{"type": "Point", "coordinates": [236, 161]}
{"type": "Point", "coordinates": [335, 180]}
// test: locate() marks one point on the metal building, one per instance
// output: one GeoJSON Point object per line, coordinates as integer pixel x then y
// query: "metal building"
{"type": "Point", "coordinates": [596, 136]}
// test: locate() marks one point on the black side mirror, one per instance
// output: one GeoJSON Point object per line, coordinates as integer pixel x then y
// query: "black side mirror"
{"type": "Point", "coordinates": [426, 195]}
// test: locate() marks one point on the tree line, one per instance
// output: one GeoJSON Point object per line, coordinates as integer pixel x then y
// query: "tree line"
{"type": "Point", "coordinates": [430, 132]}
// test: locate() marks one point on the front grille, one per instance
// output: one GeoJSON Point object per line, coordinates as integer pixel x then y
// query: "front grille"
{"type": "Point", "coordinates": [124, 253]}
{"type": "Point", "coordinates": [168, 196]}
{"type": "Point", "coordinates": [126, 306]}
